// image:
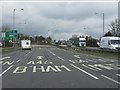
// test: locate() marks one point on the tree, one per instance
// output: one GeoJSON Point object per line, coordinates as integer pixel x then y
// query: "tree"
{"type": "Point", "coordinates": [48, 40]}
{"type": "Point", "coordinates": [114, 27]}
{"type": "Point", "coordinates": [108, 34]}
{"type": "Point", "coordinates": [91, 42]}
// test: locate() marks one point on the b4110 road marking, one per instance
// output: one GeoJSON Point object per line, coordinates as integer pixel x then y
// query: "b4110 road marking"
{"type": "Point", "coordinates": [6, 70]}
{"type": "Point", "coordinates": [84, 71]}
{"type": "Point", "coordinates": [23, 69]}
{"type": "Point", "coordinates": [4, 58]}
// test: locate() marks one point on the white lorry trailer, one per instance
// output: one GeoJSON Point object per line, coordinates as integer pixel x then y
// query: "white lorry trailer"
{"type": "Point", "coordinates": [110, 43]}
{"type": "Point", "coordinates": [26, 44]}
{"type": "Point", "coordinates": [82, 42]}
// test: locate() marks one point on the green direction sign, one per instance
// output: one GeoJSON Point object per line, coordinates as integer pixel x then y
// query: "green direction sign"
{"type": "Point", "coordinates": [10, 35]}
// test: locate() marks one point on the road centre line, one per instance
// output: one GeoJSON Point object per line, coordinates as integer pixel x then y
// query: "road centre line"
{"type": "Point", "coordinates": [18, 60]}
{"type": "Point", "coordinates": [52, 53]}
{"type": "Point", "coordinates": [60, 58]}
{"type": "Point", "coordinates": [84, 71]}
{"type": "Point", "coordinates": [110, 79]}
{"type": "Point", "coordinates": [6, 70]}
{"type": "Point", "coordinates": [5, 58]}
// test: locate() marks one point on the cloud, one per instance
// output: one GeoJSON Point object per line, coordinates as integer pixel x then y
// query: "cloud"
{"type": "Point", "coordinates": [60, 19]}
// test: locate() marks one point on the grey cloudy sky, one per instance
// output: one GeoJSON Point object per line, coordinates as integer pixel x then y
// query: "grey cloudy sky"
{"type": "Point", "coordinates": [60, 20]}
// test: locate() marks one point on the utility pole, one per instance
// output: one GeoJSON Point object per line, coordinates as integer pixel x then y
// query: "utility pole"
{"type": "Point", "coordinates": [14, 24]}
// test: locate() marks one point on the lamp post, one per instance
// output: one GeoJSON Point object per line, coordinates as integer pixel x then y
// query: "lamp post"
{"type": "Point", "coordinates": [103, 15]}
{"type": "Point", "coordinates": [14, 22]}
{"type": "Point", "coordinates": [14, 16]}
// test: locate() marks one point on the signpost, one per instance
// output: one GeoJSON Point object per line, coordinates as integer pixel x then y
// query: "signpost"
{"type": "Point", "coordinates": [10, 35]}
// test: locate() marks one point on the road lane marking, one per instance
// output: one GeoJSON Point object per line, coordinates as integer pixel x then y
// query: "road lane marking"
{"type": "Point", "coordinates": [102, 66]}
{"type": "Point", "coordinates": [77, 56]}
{"type": "Point", "coordinates": [90, 60]}
{"type": "Point", "coordinates": [60, 58]}
{"type": "Point", "coordinates": [6, 70]}
{"type": "Point", "coordinates": [43, 69]}
{"type": "Point", "coordinates": [40, 57]}
{"type": "Point", "coordinates": [88, 67]}
{"type": "Point", "coordinates": [52, 53]}
{"type": "Point", "coordinates": [4, 58]}
{"type": "Point", "coordinates": [110, 79]}
{"type": "Point", "coordinates": [18, 61]}
{"type": "Point", "coordinates": [118, 75]}
{"type": "Point", "coordinates": [94, 67]}
{"type": "Point", "coordinates": [101, 60]}
{"type": "Point", "coordinates": [84, 71]}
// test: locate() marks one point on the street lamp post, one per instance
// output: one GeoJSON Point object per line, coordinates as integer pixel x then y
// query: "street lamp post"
{"type": "Point", "coordinates": [14, 22]}
{"type": "Point", "coordinates": [103, 15]}
{"type": "Point", "coordinates": [14, 16]}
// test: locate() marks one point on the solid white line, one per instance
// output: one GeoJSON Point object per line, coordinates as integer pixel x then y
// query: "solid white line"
{"type": "Point", "coordinates": [4, 58]}
{"type": "Point", "coordinates": [84, 71]}
{"type": "Point", "coordinates": [6, 70]}
{"type": "Point", "coordinates": [118, 75]}
{"type": "Point", "coordinates": [110, 79]}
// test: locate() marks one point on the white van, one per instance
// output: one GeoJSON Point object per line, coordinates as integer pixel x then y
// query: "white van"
{"type": "Point", "coordinates": [82, 42]}
{"type": "Point", "coordinates": [26, 44]}
{"type": "Point", "coordinates": [110, 42]}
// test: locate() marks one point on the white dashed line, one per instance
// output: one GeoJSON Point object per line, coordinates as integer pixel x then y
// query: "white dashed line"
{"type": "Point", "coordinates": [18, 61]}
{"type": "Point", "coordinates": [61, 58]}
{"type": "Point", "coordinates": [110, 79]}
{"type": "Point", "coordinates": [6, 70]}
{"type": "Point", "coordinates": [84, 72]}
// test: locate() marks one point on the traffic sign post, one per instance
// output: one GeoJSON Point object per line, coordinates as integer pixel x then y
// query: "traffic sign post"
{"type": "Point", "coordinates": [10, 35]}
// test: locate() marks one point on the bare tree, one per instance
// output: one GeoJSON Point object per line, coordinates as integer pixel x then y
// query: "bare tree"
{"type": "Point", "coordinates": [114, 27]}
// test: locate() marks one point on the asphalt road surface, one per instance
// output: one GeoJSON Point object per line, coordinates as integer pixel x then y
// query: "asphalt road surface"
{"type": "Point", "coordinates": [52, 67]}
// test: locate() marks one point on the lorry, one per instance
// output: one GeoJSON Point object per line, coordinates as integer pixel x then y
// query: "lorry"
{"type": "Point", "coordinates": [26, 44]}
{"type": "Point", "coordinates": [110, 42]}
{"type": "Point", "coordinates": [82, 42]}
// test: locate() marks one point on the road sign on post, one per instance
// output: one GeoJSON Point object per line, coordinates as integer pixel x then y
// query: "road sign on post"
{"type": "Point", "coordinates": [10, 35]}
